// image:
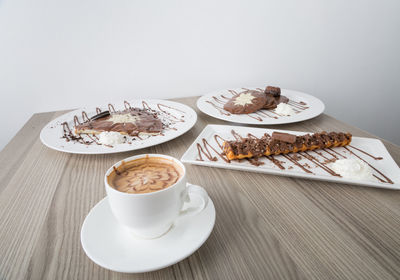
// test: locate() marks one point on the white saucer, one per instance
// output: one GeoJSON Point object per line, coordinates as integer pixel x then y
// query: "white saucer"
{"type": "Point", "coordinates": [114, 248]}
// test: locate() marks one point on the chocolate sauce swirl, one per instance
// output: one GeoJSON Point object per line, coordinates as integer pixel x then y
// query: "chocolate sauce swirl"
{"type": "Point", "coordinates": [151, 121]}
{"type": "Point", "coordinates": [217, 101]}
{"type": "Point", "coordinates": [331, 154]}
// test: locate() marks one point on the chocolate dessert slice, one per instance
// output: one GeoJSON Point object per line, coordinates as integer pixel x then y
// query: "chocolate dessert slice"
{"type": "Point", "coordinates": [274, 97]}
{"type": "Point", "coordinates": [130, 122]}
{"type": "Point", "coordinates": [246, 102]}
{"type": "Point", "coordinates": [283, 143]}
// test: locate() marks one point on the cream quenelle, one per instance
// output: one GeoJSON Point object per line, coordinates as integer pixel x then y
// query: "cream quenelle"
{"type": "Point", "coordinates": [111, 138]}
{"type": "Point", "coordinates": [353, 168]}
{"type": "Point", "coordinates": [284, 109]}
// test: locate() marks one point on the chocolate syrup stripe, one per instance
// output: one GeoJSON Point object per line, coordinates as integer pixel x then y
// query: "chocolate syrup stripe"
{"type": "Point", "coordinates": [76, 121]}
{"type": "Point", "coordinates": [93, 139]}
{"type": "Point", "coordinates": [297, 163]}
{"type": "Point", "coordinates": [68, 135]}
{"type": "Point", "coordinates": [85, 117]}
{"type": "Point", "coordinates": [169, 107]}
{"type": "Point", "coordinates": [264, 112]}
{"type": "Point", "coordinates": [207, 152]}
{"type": "Point", "coordinates": [276, 162]}
{"type": "Point", "coordinates": [332, 154]}
{"type": "Point", "coordinates": [260, 119]}
{"type": "Point", "coordinates": [219, 109]}
{"type": "Point", "coordinates": [111, 108]}
{"type": "Point", "coordinates": [237, 136]}
{"type": "Point", "coordinates": [297, 105]}
{"type": "Point", "coordinates": [216, 137]}
{"type": "Point", "coordinates": [332, 150]}
{"type": "Point", "coordinates": [364, 152]}
{"type": "Point", "coordinates": [322, 155]}
{"type": "Point", "coordinates": [127, 105]}
{"type": "Point", "coordinates": [329, 151]}
{"type": "Point", "coordinates": [218, 100]}
{"type": "Point", "coordinates": [320, 164]}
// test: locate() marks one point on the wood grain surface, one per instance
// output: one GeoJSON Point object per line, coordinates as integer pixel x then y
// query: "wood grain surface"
{"type": "Point", "coordinates": [267, 227]}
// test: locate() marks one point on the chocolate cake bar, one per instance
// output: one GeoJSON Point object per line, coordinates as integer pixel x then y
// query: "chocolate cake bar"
{"type": "Point", "coordinates": [274, 97]}
{"type": "Point", "coordinates": [274, 91]}
{"type": "Point", "coordinates": [283, 143]}
{"type": "Point", "coordinates": [130, 121]}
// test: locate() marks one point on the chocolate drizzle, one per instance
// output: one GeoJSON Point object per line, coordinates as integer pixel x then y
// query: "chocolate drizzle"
{"type": "Point", "coordinates": [237, 136]}
{"type": "Point", "coordinates": [217, 101]}
{"type": "Point", "coordinates": [255, 161]}
{"type": "Point", "coordinates": [231, 91]}
{"type": "Point", "coordinates": [159, 105]}
{"type": "Point", "coordinates": [85, 117]}
{"type": "Point", "coordinates": [207, 152]}
{"type": "Point", "coordinates": [127, 105]}
{"type": "Point", "coordinates": [220, 109]}
{"type": "Point", "coordinates": [298, 105]}
{"type": "Point", "coordinates": [111, 108]}
{"type": "Point", "coordinates": [331, 154]}
{"type": "Point", "coordinates": [295, 161]}
{"type": "Point", "coordinates": [320, 164]}
{"type": "Point", "coordinates": [166, 118]}
{"type": "Point", "coordinates": [76, 121]}
{"type": "Point", "coordinates": [364, 152]}
{"type": "Point", "coordinates": [216, 137]}
{"type": "Point", "coordinates": [332, 150]}
{"type": "Point", "coordinates": [69, 136]}
{"type": "Point", "coordinates": [255, 117]}
{"type": "Point", "coordinates": [94, 139]}
{"type": "Point", "coordinates": [264, 113]}
{"type": "Point", "coordinates": [276, 162]}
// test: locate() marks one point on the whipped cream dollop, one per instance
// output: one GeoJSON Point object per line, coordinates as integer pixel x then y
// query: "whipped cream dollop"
{"type": "Point", "coordinates": [284, 109]}
{"type": "Point", "coordinates": [111, 138]}
{"type": "Point", "coordinates": [353, 168]}
{"type": "Point", "coordinates": [123, 118]}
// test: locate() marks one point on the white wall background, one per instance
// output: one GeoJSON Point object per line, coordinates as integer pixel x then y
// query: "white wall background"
{"type": "Point", "coordinates": [66, 54]}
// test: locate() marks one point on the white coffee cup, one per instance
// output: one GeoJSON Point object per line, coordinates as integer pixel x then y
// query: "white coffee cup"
{"type": "Point", "coordinates": [150, 215]}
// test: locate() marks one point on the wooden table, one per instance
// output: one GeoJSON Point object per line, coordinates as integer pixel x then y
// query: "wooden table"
{"type": "Point", "coordinates": [267, 227]}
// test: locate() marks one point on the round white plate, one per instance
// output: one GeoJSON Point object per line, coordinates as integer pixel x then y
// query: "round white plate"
{"type": "Point", "coordinates": [212, 104]}
{"type": "Point", "coordinates": [51, 134]}
{"type": "Point", "coordinates": [110, 246]}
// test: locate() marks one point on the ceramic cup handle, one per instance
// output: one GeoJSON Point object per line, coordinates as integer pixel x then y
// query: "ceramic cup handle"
{"type": "Point", "coordinates": [194, 190]}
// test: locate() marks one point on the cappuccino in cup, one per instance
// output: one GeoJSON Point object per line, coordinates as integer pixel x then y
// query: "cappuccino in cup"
{"type": "Point", "coordinates": [146, 194]}
{"type": "Point", "coordinates": [145, 175]}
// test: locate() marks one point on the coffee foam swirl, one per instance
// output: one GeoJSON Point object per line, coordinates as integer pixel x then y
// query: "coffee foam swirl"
{"type": "Point", "coordinates": [145, 175]}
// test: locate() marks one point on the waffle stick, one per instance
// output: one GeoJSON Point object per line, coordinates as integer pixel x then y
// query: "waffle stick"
{"type": "Point", "coordinates": [283, 143]}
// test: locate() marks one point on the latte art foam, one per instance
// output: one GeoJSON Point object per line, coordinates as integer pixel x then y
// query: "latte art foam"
{"type": "Point", "coordinates": [144, 175]}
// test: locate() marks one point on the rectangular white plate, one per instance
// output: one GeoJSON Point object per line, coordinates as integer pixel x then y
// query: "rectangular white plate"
{"type": "Point", "coordinates": [387, 166]}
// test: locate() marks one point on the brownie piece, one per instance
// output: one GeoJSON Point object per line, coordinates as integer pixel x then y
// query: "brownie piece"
{"type": "Point", "coordinates": [274, 91]}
